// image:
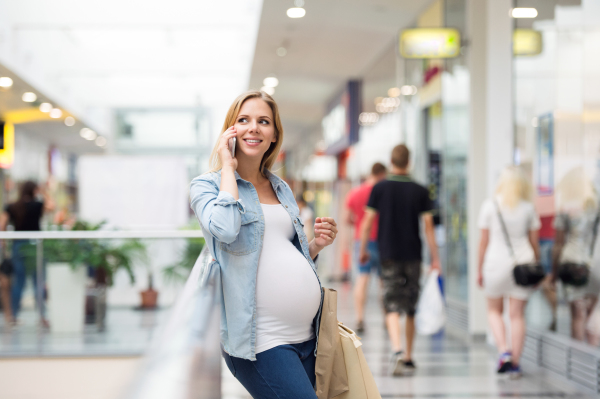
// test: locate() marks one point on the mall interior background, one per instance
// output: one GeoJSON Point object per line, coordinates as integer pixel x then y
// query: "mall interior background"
{"type": "Point", "coordinates": [126, 107]}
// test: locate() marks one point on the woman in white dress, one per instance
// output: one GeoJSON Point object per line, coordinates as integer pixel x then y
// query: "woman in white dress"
{"type": "Point", "coordinates": [576, 228]}
{"type": "Point", "coordinates": [495, 273]}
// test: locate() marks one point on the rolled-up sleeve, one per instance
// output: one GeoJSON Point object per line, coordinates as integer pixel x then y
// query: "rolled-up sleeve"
{"type": "Point", "coordinates": [218, 212]}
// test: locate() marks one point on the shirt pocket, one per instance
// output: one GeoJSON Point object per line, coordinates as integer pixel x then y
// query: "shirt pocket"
{"type": "Point", "coordinates": [247, 240]}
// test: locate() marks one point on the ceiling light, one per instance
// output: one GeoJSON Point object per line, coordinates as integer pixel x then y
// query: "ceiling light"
{"type": "Point", "coordinates": [281, 51]}
{"type": "Point", "coordinates": [296, 12]}
{"type": "Point", "coordinates": [6, 82]}
{"type": "Point", "coordinates": [269, 90]}
{"type": "Point", "coordinates": [523, 12]}
{"type": "Point", "coordinates": [407, 90]}
{"type": "Point", "coordinates": [55, 113]}
{"type": "Point", "coordinates": [45, 107]}
{"type": "Point", "coordinates": [88, 134]}
{"type": "Point", "coordinates": [29, 97]}
{"type": "Point", "coordinates": [535, 122]}
{"type": "Point", "coordinates": [394, 92]}
{"type": "Point", "coordinates": [100, 141]}
{"type": "Point", "coordinates": [271, 81]}
{"type": "Point", "coordinates": [69, 121]}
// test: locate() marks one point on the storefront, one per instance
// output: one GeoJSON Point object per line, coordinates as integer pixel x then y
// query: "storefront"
{"type": "Point", "coordinates": [556, 70]}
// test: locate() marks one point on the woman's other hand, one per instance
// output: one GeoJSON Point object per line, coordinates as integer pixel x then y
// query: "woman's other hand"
{"type": "Point", "coordinates": [225, 152]}
{"type": "Point", "coordinates": [325, 231]}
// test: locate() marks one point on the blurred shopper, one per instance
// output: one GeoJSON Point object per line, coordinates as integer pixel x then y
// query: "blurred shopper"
{"type": "Point", "coordinates": [495, 272]}
{"type": "Point", "coordinates": [24, 215]}
{"type": "Point", "coordinates": [400, 203]}
{"type": "Point", "coordinates": [546, 249]}
{"type": "Point", "coordinates": [576, 226]}
{"type": "Point", "coordinates": [307, 216]}
{"type": "Point", "coordinates": [270, 289]}
{"type": "Point", "coordinates": [356, 202]}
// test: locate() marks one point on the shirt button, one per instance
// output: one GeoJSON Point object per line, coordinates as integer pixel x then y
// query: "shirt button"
{"type": "Point", "coordinates": [286, 206]}
{"type": "Point", "coordinates": [295, 221]}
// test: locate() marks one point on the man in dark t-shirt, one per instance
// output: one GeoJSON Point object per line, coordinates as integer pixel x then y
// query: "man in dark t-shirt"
{"type": "Point", "coordinates": [400, 204]}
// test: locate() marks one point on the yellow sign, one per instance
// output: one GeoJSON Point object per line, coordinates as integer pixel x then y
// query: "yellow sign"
{"type": "Point", "coordinates": [430, 43]}
{"type": "Point", "coordinates": [527, 42]}
{"type": "Point", "coordinates": [7, 154]}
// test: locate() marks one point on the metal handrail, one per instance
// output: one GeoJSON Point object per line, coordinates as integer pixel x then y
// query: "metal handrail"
{"type": "Point", "coordinates": [98, 234]}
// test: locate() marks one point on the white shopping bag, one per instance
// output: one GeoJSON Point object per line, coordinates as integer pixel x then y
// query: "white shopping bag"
{"type": "Point", "coordinates": [431, 311]}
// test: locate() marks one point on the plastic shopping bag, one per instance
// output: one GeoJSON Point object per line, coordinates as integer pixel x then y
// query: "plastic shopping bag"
{"type": "Point", "coordinates": [431, 310]}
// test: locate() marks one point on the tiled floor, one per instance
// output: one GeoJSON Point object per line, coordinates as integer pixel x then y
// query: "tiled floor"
{"type": "Point", "coordinates": [447, 368]}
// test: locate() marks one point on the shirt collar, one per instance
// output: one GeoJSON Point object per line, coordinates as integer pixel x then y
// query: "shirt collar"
{"type": "Point", "coordinates": [395, 177]}
{"type": "Point", "coordinates": [275, 180]}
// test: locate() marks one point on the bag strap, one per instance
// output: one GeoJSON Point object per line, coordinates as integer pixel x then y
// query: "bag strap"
{"type": "Point", "coordinates": [505, 231]}
{"type": "Point", "coordinates": [595, 235]}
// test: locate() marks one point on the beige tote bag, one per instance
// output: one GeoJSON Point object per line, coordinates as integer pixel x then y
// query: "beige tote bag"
{"type": "Point", "coordinates": [341, 369]}
{"type": "Point", "coordinates": [361, 384]}
{"type": "Point", "coordinates": [330, 369]}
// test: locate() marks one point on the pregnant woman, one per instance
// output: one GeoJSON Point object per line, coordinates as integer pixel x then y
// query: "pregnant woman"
{"type": "Point", "coordinates": [271, 294]}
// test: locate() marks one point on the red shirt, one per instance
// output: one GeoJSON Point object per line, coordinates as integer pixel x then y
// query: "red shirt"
{"type": "Point", "coordinates": [356, 201]}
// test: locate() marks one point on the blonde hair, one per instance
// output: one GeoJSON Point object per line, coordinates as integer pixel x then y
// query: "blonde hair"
{"type": "Point", "coordinates": [513, 187]}
{"type": "Point", "coordinates": [271, 155]}
{"type": "Point", "coordinates": [575, 189]}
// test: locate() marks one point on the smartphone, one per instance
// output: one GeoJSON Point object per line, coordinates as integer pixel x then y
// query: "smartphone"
{"type": "Point", "coordinates": [232, 142]}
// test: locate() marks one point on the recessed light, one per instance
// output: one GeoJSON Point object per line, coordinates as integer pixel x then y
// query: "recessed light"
{"type": "Point", "coordinates": [281, 51]}
{"type": "Point", "coordinates": [394, 92]}
{"type": "Point", "coordinates": [29, 97]}
{"type": "Point", "coordinates": [100, 141]}
{"type": "Point", "coordinates": [296, 12]}
{"type": "Point", "coordinates": [523, 12]}
{"type": "Point", "coordinates": [45, 107]}
{"type": "Point", "coordinates": [55, 113]}
{"type": "Point", "coordinates": [69, 121]}
{"type": "Point", "coordinates": [88, 134]}
{"type": "Point", "coordinates": [271, 81]}
{"type": "Point", "coordinates": [6, 82]}
{"type": "Point", "coordinates": [269, 90]}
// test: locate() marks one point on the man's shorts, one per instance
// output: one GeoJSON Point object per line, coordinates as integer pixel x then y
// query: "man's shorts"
{"type": "Point", "coordinates": [373, 264]}
{"type": "Point", "coordinates": [400, 285]}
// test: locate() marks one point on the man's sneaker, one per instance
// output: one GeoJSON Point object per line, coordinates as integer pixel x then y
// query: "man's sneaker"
{"type": "Point", "coordinates": [515, 372]}
{"type": "Point", "coordinates": [360, 327]}
{"type": "Point", "coordinates": [397, 365]}
{"type": "Point", "coordinates": [505, 363]}
{"type": "Point", "coordinates": [409, 367]}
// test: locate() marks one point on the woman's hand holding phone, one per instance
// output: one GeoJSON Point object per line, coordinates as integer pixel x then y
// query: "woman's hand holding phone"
{"type": "Point", "coordinates": [227, 159]}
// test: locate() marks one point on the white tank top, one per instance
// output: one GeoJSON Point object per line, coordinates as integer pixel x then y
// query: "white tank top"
{"type": "Point", "coordinates": [287, 290]}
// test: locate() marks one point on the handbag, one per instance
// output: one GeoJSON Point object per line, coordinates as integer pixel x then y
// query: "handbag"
{"type": "Point", "coordinates": [574, 273]}
{"type": "Point", "coordinates": [340, 368]}
{"type": "Point", "coordinates": [525, 274]}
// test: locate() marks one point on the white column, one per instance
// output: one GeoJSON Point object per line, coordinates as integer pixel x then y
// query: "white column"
{"type": "Point", "coordinates": [499, 89]}
{"type": "Point", "coordinates": [491, 123]}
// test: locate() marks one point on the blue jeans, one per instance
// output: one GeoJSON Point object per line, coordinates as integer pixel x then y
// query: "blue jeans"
{"type": "Point", "coordinates": [373, 264]}
{"type": "Point", "coordinates": [20, 275]}
{"type": "Point", "coordinates": [283, 372]}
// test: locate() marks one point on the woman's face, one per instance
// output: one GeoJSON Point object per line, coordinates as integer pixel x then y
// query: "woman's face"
{"type": "Point", "coordinates": [255, 128]}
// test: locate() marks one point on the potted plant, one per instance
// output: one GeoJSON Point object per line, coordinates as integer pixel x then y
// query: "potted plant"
{"type": "Point", "coordinates": [71, 262]}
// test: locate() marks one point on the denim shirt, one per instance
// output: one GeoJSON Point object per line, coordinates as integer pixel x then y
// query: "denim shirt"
{"type": "Point", "coordinates": [234, 232]}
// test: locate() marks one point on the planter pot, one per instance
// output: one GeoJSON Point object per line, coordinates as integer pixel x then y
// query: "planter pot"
{"type": "Point", "coordinates": [66, 297]}
{"type": "Point", "coordinates": [149, 298]}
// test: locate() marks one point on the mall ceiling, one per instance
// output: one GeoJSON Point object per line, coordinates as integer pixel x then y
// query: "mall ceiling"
{"type": "Point", "coordinates": [337, 40]}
